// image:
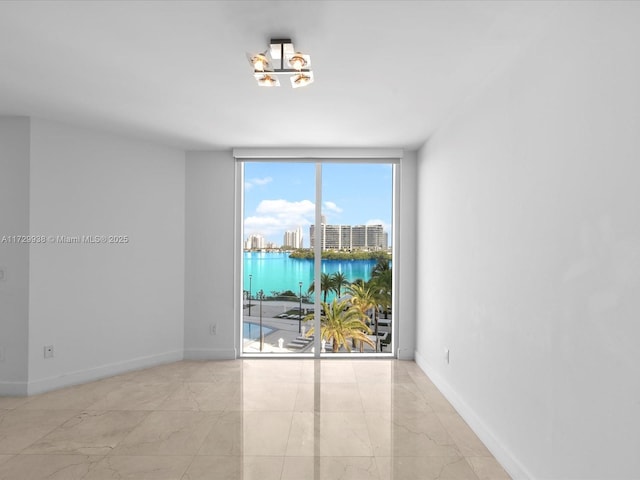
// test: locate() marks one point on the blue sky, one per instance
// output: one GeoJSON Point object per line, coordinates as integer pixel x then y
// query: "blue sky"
{"type": "Point", "coordinates": [281, 196]}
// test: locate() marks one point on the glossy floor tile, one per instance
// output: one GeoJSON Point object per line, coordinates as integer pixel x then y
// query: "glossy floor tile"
{"type": "Point", "coordinates": [280, 419]}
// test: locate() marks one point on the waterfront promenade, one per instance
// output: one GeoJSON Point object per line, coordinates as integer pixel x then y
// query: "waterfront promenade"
{"type": "Point", "coordinates": [282, 328]}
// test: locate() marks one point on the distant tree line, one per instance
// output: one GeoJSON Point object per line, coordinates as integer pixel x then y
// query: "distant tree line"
{"type": "Point", "coordinates": [308, 254]}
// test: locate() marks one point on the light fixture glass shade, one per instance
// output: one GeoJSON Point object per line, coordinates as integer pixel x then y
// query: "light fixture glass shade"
{"type": "Point", "coordinates": [298, 61]}
{"type": "Point", "coordinates": [265, 80]}
{"type": "Point", "coordinates": [259, 61]}
{"type": "Point", "coordinates": [301, 79]}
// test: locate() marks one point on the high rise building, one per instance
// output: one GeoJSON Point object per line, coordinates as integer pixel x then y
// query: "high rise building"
{"type": "Point", "coordinates": [375, 239]}
{"type": "Point", "coordinates": [359, 236]}
{"type": "Point", "coordinates": [293, 238]}
{"type": "Point", "coordinates": [254, 242]}
{"type": "Point", "coordinates": [312, 236]}
{"type": "Point", "coordinates": [348, 237]}
{"type": "Point", "coordinates": [332, 237]}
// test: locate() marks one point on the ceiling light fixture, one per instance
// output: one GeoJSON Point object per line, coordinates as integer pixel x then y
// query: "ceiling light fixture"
{"type": "Point", "coordinates": [302, 79]}
{"type": "Point", "coordinates": [260, 62]}
{"type": "Point", "coordinates": [282, 53]}
{"type": "Point", "coordinates": [266, 80]}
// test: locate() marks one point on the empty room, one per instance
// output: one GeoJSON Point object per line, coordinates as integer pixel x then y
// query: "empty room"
{"type": "Point", "coordinates": [386, 240]}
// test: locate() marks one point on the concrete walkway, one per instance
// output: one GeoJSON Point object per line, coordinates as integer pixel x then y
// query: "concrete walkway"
{"type": "Point", "coordinates": [283, 328]}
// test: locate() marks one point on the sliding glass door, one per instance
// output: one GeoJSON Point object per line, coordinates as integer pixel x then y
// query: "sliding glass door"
{"type": "Point", "coordinates": [278, 209]}
{"type": "Point", "coordinates": [356, 252]}
{"type": "Point", "coordinates": [293, 212]}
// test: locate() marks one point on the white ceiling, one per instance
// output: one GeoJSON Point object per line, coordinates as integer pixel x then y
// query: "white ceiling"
{"type": "Point", "coordinates": [387, 72]}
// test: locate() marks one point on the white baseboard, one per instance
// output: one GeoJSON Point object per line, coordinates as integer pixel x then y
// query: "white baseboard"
{"type": "Point", "coordinates": [13, 389]}
{"type": "Point", "coordinates": [405, 354]}
{"type": "Point", "coordinates": [83, 376]}
{"type": "Point", "coordinates": [508, 461]}
{"type": "Point", "coordinates": [210, 354]}
{"type": "Point", "coordinates": [92, 374]}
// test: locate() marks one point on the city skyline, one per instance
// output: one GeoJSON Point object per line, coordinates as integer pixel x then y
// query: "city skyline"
{"type": "Point", "coordinates": [333, 237]}
{"type": "Point", "coordinates": [280, 197]}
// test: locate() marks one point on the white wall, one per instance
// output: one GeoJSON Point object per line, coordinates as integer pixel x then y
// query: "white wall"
{"type": "Point", "coordinates": [529, 257]}
{"type": "Point", "coordinates": [405, 305]}
{"type": "Point", "coordinates": [14, 257]}
{"type": "Point", "coordinates": [210, 294]}
{"type": "Point", "coordinates": [110, 307]}
{"type": "Point", "coordinates": [210, 243]}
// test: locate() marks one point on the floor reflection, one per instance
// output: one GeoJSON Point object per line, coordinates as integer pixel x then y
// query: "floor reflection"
{"type": "Point", "coordinates": [252, 419]}
{"type": "Point", "coordinates": [353, 419]}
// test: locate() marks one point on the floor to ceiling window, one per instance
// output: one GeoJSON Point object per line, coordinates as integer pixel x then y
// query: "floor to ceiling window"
{"type": "Point", "coordinates": [277, 287]}
{"type": "Point", "coordinates": [317, 262]}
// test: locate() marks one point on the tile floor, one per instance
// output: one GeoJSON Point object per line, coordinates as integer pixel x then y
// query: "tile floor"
{"type": "Point", "coordinates": [247, 419]}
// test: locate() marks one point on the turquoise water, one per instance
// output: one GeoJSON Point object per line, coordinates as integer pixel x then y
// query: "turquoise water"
{"type": "Point", "coordinates": [251, 331]}
{"type": "Point", "coordinates": [277, 272]}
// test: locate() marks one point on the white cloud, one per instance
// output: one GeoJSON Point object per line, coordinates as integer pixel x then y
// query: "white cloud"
{"type": "Point", "coordinates": [262, 181]}
{"type": "Point", "coordinates": [268, 227]}
{"type": "Point", "coordinates": [332, 207]}
{"type": "Point", "coordinates": [248, 184]}
{"type": "Point", "coordinates": [286, 208]}
{"type": "Point", "coordinates": [377, 221]}
{"type": "Point", "coordinates": [274, 217]}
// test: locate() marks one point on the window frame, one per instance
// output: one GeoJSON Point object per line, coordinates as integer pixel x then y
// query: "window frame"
{"type": "Point", "coordinates": [318, 157]}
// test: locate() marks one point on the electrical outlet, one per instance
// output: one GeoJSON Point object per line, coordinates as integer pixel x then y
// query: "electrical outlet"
{"type": "Point", "coordinates": [446, 355]}
{"type": "Point", "coordinates": [48, 351]}
{"type": "Point", "coordinates": [213, 329]}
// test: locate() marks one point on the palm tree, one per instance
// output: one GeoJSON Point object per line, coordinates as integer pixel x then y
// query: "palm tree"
{"type": "Point", "coordinates": [381, 278]}
{"type": "Point", "coordinates": [338, 281]}
{"type": "Point", "coordinates": [363, 299]}
{"type": "Point", "coordinates": [326, 285]}
{"type": "Point", "coordinates": [340, 323]}
{"type": "Point", "coordinates": [381, 297]}
{"type": "Point", "coordinates": [382, 265]}
{"type": "Point", "coordinates": [381, 286]}
{"type": "Point", "coordinates": [370, 296]}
